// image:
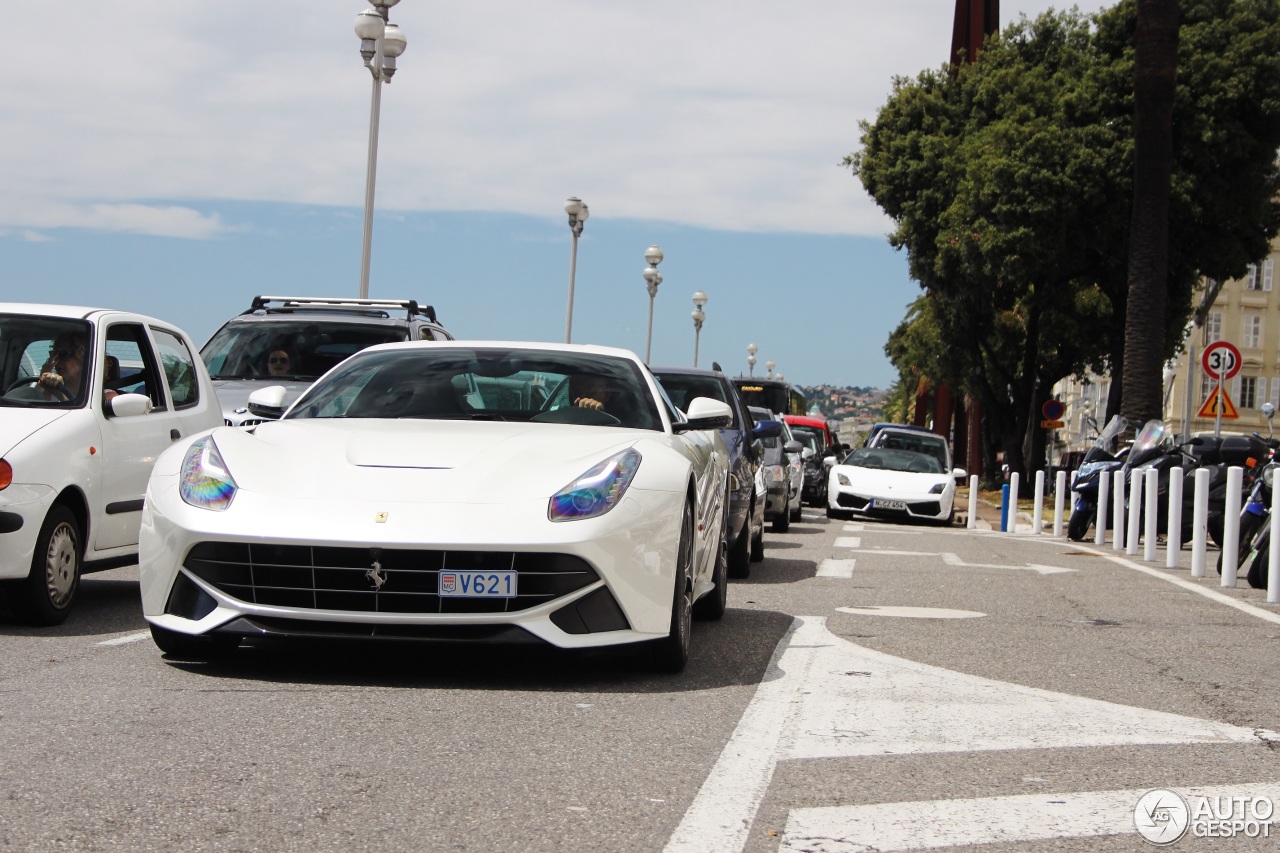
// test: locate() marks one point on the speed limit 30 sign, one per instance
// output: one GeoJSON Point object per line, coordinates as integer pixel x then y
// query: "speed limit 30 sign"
{"type": "Point", "coordinates": [1221, 360]}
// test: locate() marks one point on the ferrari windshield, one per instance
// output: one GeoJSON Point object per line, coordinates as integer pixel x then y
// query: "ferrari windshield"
{"type": "Point", "coordinates": [893, 460]}
{"type": "Point", "coordinates": [44, 361]}
{"type": "Point", "coordinates": [449, 383]}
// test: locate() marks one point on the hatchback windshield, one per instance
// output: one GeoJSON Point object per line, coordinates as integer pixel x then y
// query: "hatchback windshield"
{"type": "Point", "coordinates": [44, 361]}
{"type": "Point", "coordinates": [288, 349]}
{"type": "Point", "coordinates": [893, 460]}
{"type": "Point", "coordinates": [485, 384]}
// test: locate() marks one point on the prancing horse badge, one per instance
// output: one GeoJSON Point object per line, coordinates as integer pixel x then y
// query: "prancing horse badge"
{"type": "Point", "coordinates": [381, 518]}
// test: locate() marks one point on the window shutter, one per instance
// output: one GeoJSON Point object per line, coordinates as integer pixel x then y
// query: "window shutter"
{"type": "Point", "coordinates": [1268, 269]}
{"type": "Point", "coordinates": [1275, 391]}
{"type": "Point", "coordinates": [1235, 389]}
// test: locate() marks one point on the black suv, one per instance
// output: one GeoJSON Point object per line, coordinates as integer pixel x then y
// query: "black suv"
{"type": "Point", "coordinates": [745, 536]}
{"type": "Point", "coordinates": [291, 341]}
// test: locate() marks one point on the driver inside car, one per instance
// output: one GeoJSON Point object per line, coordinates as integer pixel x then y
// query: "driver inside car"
{"type": "Point", "coordinates": [63, 373]}
{"type": "Point", "coordinates": [589, 391]}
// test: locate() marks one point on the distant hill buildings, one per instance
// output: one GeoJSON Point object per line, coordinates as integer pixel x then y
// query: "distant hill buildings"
{"type": "Point", "coordinates": [856, 408]}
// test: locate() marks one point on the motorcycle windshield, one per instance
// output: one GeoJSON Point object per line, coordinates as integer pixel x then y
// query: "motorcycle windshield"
{"type": "Point", "coordinates": [1150, 440]}
{"type": "Point", "coordinates": [1104, 447]}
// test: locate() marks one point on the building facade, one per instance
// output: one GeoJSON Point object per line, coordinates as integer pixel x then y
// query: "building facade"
{"type": "Point", "coordinates": [1246, 313]}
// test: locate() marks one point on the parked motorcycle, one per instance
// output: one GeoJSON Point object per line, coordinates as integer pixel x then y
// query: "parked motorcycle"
{"type": "Point", "coordinates": [1099, 461]}
{"type": "Point", "coordinates": [1253, 554]}
{"type": "Point", "coordinates": [1154, 449]}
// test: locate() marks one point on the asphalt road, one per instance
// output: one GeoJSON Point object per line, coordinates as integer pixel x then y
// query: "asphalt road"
{"type": "Point", "coordinates": [872, 686]}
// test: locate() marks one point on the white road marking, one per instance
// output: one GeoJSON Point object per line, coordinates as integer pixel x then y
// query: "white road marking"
{"type": "Point", "coordinates": [897, 531]}
{"type": "Point", "coordinates": [126, 639]}
{"type": "Point", "coordinates": [904, 707]}
{"type": "Point", "coordinates": [1006, 820]}
{"type": "Point", "coordinates": [912, 612]}
{"type": "Point", "coordinates": [822, 696]}
{"type": "Point", "coordinates": [853, 528]}
{"type": "Point", "coordinates": [836, 568]}
{"type": "Point", "coordinates": [848, 541]}
{"type": "Point", "coordinates": [954, 560]}
{"type": "Point", "coordinates": [892, 553]}
{"type": "Point", "coordinates": [720, 817]}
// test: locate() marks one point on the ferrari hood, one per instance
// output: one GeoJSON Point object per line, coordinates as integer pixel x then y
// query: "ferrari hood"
{"type": "Point", "coordinates": [415, 460]}
{"type": "Point", "coordinates": [17, 425]}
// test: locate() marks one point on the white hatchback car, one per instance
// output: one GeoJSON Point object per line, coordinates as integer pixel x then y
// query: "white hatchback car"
{"type": "Point", "coordinates": [90, 397]}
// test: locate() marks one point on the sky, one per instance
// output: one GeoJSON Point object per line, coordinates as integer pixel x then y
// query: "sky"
{"type": "Point", "coordinates": [179, 159]}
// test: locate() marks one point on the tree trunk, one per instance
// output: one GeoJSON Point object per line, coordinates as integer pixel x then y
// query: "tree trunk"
{"type": "Point", "coordinates": [1155, 65]}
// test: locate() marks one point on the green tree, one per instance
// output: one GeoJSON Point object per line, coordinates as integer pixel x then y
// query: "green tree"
{"type": "Point", "coordinates": [1010, 183]}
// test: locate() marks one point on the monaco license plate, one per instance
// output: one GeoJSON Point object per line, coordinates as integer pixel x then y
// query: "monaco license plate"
{"type": "Point", "coordinates": [881, 503]}
{"type": "Point", "coordinates": [472, 584]}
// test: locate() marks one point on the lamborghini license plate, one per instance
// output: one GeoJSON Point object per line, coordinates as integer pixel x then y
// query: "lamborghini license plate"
{"type": "Point", "coordinates": [882, 503]}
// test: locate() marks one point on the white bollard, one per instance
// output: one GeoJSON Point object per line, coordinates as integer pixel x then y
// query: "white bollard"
{"type": "Point", "coordinates": [1100, 518]}
{"type": "Point", "coordinates": [1200, 522]}
{"type": "Point", "coordinates": [1134, 534]}
{"type": "Point", "coordinates": [1152, 503]}
{"type": "Point", "coordinates": [1231, 526]}
{"type": "Point", "coordinates": [1037, 512]}
{"type": "Point", "coordinates": [1273, 553]}
{"type": "Point", "coordinates": [973, 503]}
{"type": "Point", "coordinates": [1117, 510]}
{"type": "Point", "coordinates": [1013, 502]}
{"type": "Point", "coordinates": [1059, 494]}
{"type": "Point", "coordinates": [1173, 539]}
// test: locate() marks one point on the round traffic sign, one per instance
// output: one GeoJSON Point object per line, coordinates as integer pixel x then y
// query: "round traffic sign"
{"type": "Point", "coordinates": [1053, 410]}
{"type": "Point", "coordinates": [1221, 360]}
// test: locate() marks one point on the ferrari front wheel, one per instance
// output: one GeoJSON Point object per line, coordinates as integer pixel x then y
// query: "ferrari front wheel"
{"type": "Point", "coordinates": [671, 653]}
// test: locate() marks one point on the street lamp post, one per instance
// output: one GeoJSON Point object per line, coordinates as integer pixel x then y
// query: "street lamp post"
{"type": "Point", "coordinates": [380, 43]}
{"type": "Point", "coordinates": [578, 214]}
{"type": "Point", "coordinates": [652, 278]}
{"type": "Point", "coordinates": [752, 349]}
{"type": "Point", "coordinates": [699, 299]}
{"type": "Point", "coordinates": [769, 365]}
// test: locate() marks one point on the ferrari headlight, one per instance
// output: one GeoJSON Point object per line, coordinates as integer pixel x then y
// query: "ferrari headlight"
{"type": "Point", "coordinates": [598, 490]}
{"type": "Point", "coordinates": [206, 483]}
{"type": "Point", "coordinates": [843, 480]}
{"type": "Point", "coordinates": [936, 488]}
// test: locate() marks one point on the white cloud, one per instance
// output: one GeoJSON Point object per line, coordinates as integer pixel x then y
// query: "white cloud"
{"type": "Point", "coordinates": [729, 115]}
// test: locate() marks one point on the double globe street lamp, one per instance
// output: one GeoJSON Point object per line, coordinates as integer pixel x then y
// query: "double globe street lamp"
{"type": "Point", "coordinates": [652, 278]}
{"type": "Point", "coordinates": [752, 349]}
{"type": "Point", "coordinates": [380, 43]}
{"type": "Point", "coordinates": [699, 299]}
{"type": "Point", "coordinates": [578, 213]}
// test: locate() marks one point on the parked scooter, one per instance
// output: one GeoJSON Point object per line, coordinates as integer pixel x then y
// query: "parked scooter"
{"type": "Point", "coordinates": [1099, 461]}
{"type": "Point", "coordinates": [1253, 555]}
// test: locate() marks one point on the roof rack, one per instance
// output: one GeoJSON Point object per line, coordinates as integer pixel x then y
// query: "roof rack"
{"type": "Point", "coordinates": [289, 303]}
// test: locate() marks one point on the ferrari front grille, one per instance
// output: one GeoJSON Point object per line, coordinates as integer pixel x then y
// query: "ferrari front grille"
{"type": "Point", "coordinates": [378, 580]}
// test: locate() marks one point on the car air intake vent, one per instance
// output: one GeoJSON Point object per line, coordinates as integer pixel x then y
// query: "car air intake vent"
{"type": "Point", "coordinates": [378, 580]}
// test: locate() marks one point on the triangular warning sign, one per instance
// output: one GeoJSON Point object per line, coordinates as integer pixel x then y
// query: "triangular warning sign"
{"type": "Point", "coordinates": [1210, 407]}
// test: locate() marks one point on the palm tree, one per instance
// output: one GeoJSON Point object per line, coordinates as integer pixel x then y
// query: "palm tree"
{"type": "Point", "coordinates": [1154, 69]}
